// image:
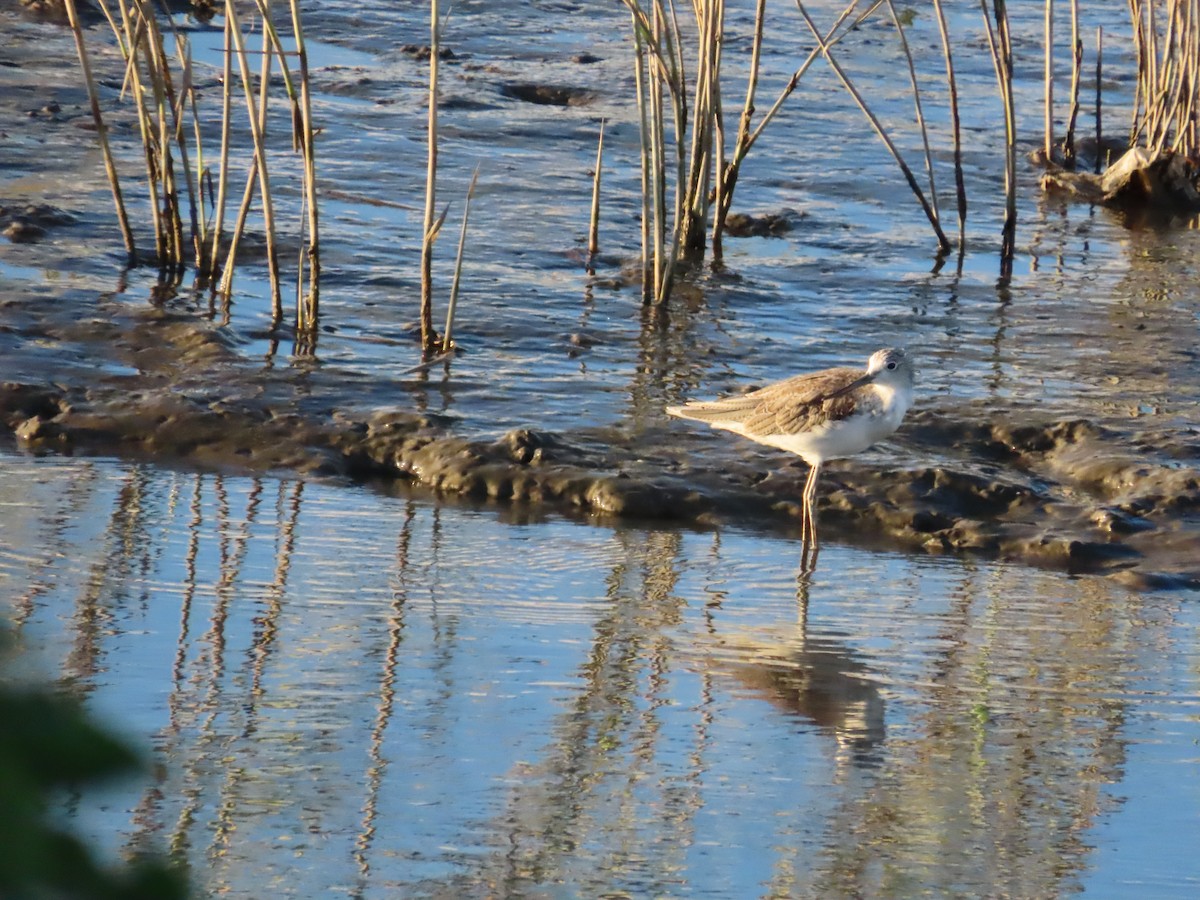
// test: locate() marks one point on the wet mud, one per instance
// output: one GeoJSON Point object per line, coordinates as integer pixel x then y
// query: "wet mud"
{"type": "Point", "coordinates": [1067, 495]}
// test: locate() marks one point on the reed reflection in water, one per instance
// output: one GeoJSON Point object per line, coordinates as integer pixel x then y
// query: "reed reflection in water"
{"type": "Point", "coordinates": [374, 695]}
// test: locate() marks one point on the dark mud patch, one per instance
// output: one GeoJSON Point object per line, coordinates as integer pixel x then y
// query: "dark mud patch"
{"type": "Point", "coordinates": [1066, 495]}
{"type": "Point", "coordinates": [27, 223]}
{"type": "Point", "coordinates": [548, 94]}
{"type": "Point", "coordinates": [765, 225]}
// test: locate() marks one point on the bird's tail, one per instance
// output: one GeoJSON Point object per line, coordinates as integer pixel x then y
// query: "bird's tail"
{"type": "Point", "coordinates": [719, 413]}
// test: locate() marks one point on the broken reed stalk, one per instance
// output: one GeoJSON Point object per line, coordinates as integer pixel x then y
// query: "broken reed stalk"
{"type": "Point", "coordinates": [1048, 81]}
{"type": "Point", "coordinates": [429, 231]}
{"type": "Point", "coordinates": [830, 40]}
{"type": "Point", "coordinates": [101, 132]}
{"type": "Point", "coordinates": [1076, 68]}
{"type": "Point", "coordinates": [960, 188]}
{"type": "Point", "coordinates": [1000, 43]}
{"type": "Point", "coordinates": [594, 219]}
{"type": "Point", "coordinates": [930, 213]}
{"type": "Point", "coordinates": [447, 342]}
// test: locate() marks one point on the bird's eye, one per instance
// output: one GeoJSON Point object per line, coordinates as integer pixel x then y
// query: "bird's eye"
{"type": "Point", "coordinates": [891, 365]}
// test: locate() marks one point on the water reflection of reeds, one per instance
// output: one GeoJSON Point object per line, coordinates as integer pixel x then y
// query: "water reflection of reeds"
{"type": "Point", "coordinates": [397, 694]}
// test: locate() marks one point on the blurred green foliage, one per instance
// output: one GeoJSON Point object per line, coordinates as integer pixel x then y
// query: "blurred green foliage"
{"type": "Point", "coordinates": [48, 743]}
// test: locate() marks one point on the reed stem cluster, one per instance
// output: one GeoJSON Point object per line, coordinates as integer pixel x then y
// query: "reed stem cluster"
{"type": "Point", "coordinates": [188, 192]}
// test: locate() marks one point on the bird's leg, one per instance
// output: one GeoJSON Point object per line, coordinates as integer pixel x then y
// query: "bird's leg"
{"type": "Point", "coordinates": [808, 522]}
{"type": "Point", "coordinates": [810, 501]}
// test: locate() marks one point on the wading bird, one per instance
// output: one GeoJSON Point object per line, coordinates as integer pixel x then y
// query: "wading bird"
{"type": "Point", "coordinates": [819, 416]}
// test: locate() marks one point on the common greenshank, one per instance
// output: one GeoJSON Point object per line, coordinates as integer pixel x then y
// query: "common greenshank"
{"type": "Point", "coordinates": [819, 416]}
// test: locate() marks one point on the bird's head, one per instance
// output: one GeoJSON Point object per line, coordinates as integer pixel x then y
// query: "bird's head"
{"type": "Point", "coordinates": [890, 366]}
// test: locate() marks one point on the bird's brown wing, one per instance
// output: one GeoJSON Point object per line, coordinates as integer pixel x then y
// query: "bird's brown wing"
{"type": "Point", "coordinates": [791, 406]}
{"type": "Point", "coordinates": [802, 403]}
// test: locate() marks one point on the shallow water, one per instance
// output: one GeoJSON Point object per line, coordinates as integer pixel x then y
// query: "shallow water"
{"type": "Point", "coordinates": [353, 693]}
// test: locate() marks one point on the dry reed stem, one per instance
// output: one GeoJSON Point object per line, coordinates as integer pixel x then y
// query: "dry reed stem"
{"type": "Point", "coordinates": [186, 93]}
{"type": "Point", "coordinates": [594, 218]}
{"type": "Point", "coordinates": [704, 114]}
{"type": "Point", "coordinates": [1000, 42]}
{"type": "Point", "coordinates": [1168, 75]}
{"type": "Point", "coordinates": [960, 187]}
{"type": "Point", "coordinates": [447, 342]}
{"type": "Point", "coordinates": [1076, 68]}
{"type": "Point", "coordinates": [308, 314]}
{"type": "Point", "coordinates": [223, 164]}
{"type": "Point", "coordinates": [831, 39]}
{"type": "Point", "coordinates": [177, 102]}
{"type": "Point", "coordinates": [1139, 46]}
{"type": "Point", "coordinates": [302, 140]}
{"type": "Point", "coordinates": [1099, 74]}
{"type": "Point", "coordinates": [639, 78]}
{"type": "Point", "coordinates": [1048, 82]}
{"type": "Point", "coordinates": [257, 119]}
{"type": "Point", "coordinates": [657, 164]}
{"type": "Point", "coordinates": [158, 70]}
{"type": "Point", "coordinates": [676, 83]}
{"type": "Point", "coordinates": [658, 49]}
{"type": "Point", "coordinates": [159, 145]}
{"type": "Point", "coordinates": [429, 231]}
{"type": "Point", "coordinates": [912, 77]}
{"type": "Point", "coordinates": [200, 236]}
{"type": "Point", "coordinates": [130, 36]}
{"type": "Point", "coordinates": [1178, 120]}
{"type": "Point", "coordinates": [101, 131]}
{"type": "Point", "coordinates": [943, 241]}
{"type": "Point", "coordinates": [728, 172]}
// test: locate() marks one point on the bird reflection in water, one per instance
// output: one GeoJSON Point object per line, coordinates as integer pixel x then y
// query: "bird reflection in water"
{"type": "Point", "coordinates": [816, 678]}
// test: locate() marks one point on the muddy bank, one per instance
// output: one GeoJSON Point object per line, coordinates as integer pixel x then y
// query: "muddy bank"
{"type": "Point", "coordinates": [1068, 495]}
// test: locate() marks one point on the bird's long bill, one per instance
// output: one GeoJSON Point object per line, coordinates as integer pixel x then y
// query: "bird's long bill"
{"type": "Point", "coordinates": [865, 378]}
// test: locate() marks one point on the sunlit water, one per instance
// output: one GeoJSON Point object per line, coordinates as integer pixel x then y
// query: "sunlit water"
{"type": "Point", "coordinates": [346, 693]}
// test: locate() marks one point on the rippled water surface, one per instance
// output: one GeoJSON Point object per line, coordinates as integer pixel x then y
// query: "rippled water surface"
{"type": "Point", "coordinates": [345, 691]}
{"type": "Point", "coordinates": [369, 695]}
